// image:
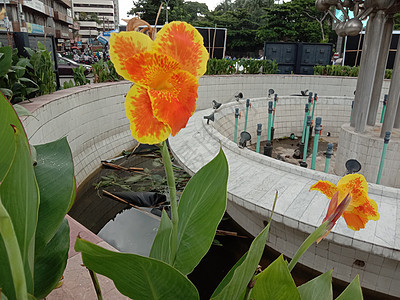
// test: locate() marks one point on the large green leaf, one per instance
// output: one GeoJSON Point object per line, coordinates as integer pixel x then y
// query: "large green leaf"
{"type": "Point", "coordinates": [7, 148]}
{"type": "Point", "coordinates": [55, 176]}
{"type": "Point", "coordinates": [236, 281]}
{"type": "Point", "coordinates": [320, 288]}
{"type": "Point", "coordinates": [6, 92]}
{"type": "Point", "coordinates": [352, 292]}
{"type": "Point", "coordinates": [19, 193]}
{"type": "Point", "coordinates": [5, 60]}
{"type": "Point", "coordinates": [50, 265]}
{"type": "Point", "coordinates": [201, 208]}
{"type": "Point", "coordinates": [275, 283]}
{"type": "Point", "coordinates": [136, 276]}
{"type": "Point", "coordinates": [162, 242]}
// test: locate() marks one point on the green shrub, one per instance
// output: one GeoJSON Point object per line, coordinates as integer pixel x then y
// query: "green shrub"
{"type": "Point", "coordinates": [242, 66]}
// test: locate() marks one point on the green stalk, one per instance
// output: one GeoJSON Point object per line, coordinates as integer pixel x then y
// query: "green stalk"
{"type": "Point", "coordinates": [96, 284]}
{"type": "Point", "coordinates": [172, 193]}
{"type": "Point", "coordinates": [320, 231]}
{"type": "Point", "coordinates": [14, 253]}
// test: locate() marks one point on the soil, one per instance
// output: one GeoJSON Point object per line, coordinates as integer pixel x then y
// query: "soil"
{"type": "Point", "coordinates": [284, 149]}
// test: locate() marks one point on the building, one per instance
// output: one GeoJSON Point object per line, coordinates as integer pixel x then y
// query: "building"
{"type": "Point", "coordinates": [94, 17]}
{"type": "Point", "coordinates": [48, 17]}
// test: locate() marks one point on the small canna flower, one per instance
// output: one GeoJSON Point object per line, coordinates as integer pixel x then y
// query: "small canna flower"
{"type": "Point", "coordinates": [165, 72]}
{"type": "Point", "coordinates": [350, 199]}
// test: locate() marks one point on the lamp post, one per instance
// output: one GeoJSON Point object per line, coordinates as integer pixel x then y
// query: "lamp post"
{"type": "Point", "coordinates": [166, 11]}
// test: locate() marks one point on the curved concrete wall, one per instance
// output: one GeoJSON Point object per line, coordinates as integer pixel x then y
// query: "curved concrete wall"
{"type": "Point", "coordinates": [223, 87]}
{"type": "Point", "coordinates": [92, 117]}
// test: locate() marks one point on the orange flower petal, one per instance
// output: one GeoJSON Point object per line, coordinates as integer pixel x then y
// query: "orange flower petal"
{"type": "Point", "coordinates": [124, 45]}
{"type": "Point", "coordinates": [151, 69]}
{"type": "Point", "coordinates": [184, 43]}
{"type": "Point", "coordinates": [354, 221]}
{"type": "Point", "coordinates": [174, 106]}
{"type": "Point", "coordinates": [145, 127]}
{"type": "Point", "coordinates": [369, 209]}
{"type": "Point", "coordinates": [325, 187]}
{"type": "Point", "coordinates": [356, 185]}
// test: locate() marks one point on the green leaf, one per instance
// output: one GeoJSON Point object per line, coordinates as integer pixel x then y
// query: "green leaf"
{"type": "Point", "coordinates": [352, 292]}
{"type": "Point", "coordinates": [235, 282]}
{"type": "Point", "coordinates": [136, 276]}
{"type": "Point", "coordinates": [30, 51]}
{"type": "Point", "coordinates": [50, 265]}
{"type": "Point", "coordinates": [162, 242]}
{"type": "Point", "coordinates": [7, 92]}
{"type": "Point", "coordinates": [55, 176]}
{"type": "Point", "coordinates": [275, 283]}
{"type": "Point", "coordinates": [319, 288]}
{"type": "Point", "coordinates": [201, 208]}
{"type": "Point", "coordinates": [5, 60]}
{"type": "Point", "coordinates": [27, 80]}
{"type": "Point", "coordinates": [18, 191]}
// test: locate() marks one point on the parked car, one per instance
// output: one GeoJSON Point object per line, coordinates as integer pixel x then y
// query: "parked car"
{"type": "Point", "coordinates": [65, 66]}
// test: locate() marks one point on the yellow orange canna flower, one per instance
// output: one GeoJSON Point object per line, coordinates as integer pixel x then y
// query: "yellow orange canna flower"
{"type": "Point", "coordinates": [165, 72]}
{"type": "Point", "coordinates": [359, 209]}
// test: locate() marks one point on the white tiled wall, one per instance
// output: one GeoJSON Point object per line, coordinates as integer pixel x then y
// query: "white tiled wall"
{"type": "Point", "coordinates": [91, 117]}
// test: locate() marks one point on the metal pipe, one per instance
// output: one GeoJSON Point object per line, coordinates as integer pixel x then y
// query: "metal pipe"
{"type": "Point", "coordinates": [380, 72]}
{"type": "Point", "coordinates": [247, 113]}
{"type": "Point", "coordinates": [270, 109]}
{"type": "Point", "coordinates": [313, 108]}
{"type": "Point", "coordinates": [236, 124]}
{"type": "Point", "coordinates": [259, 130]}
{"type": "Point", "coordinates": [384, 107]}
{"type": "Point", "coordinates": [385, 144]}
{"type": "Point", "coordinates": [351, 112]}
{"type": "Point", "coordinates": [273, 116]}
{"type": "Point", "coordinates": [368, 67]}
{"type": "Point", "coordinates": [316, 138]}
{"type": "Point", "coordinates": [306, 110]}
{"type": "Point", "coordinates": [268, 146]}
{"type": "Point", "coordinates": [393, 107]}
{"type": "Point", "coordinates": [303, 163]}
{"type": "Point", "coordinates": [329, 152]}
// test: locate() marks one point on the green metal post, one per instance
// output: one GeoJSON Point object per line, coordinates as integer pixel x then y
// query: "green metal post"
{"type": "Point", "coordinates": [236, 124]}
{"type": "Point", "coordinates": [384, 108]}
{"type": "Point", "coordinates": [316, 138]}
{"type": "Point", "coordinates": [273, 116]}
{"type": "Point", "coordinates": [329, 152]}
{"type": "Point", "coordinates": [306, 110]}
{"type": "Point", "coordinates": [247, 113]}
{"type": "Point", "coordinates": [313, 107]}
{"type": "Point", "coordinates": [386, 142]}
{"type": "Point", "coordinates": [259, 126]}
{"type": "Point", "coordinates": [304, 163]}
{"type": "Point", "coordinates": [269, 120]}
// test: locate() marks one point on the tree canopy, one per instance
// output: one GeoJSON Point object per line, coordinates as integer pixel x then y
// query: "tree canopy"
{"type": "Point", "coordinates": [249, 22]}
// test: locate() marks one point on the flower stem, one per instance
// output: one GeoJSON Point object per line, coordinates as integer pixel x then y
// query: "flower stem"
{"type": "Point", "coordinates": [14, 254]}
{"type": "Point", "coordinates": [172, 193]}
{"type": "Point", "coordinates": [320, 231]}
{"type": "Point", "coordinates": [96, 284]}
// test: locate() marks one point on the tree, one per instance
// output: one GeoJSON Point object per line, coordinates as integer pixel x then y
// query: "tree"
{"type": "Point", "coordinates": [147, 9]}
{"type": "Point", "coordinates": [295, 21]}
{"type": "Point", "coordinates": [397, 21]}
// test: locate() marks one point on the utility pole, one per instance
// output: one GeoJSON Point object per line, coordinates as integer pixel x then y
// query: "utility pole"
{"type": "Point", "coordinates": [166, 11]}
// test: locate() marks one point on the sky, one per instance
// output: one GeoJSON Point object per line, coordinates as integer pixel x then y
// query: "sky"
{"type": "Point", "coordinates": [126, 5]}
